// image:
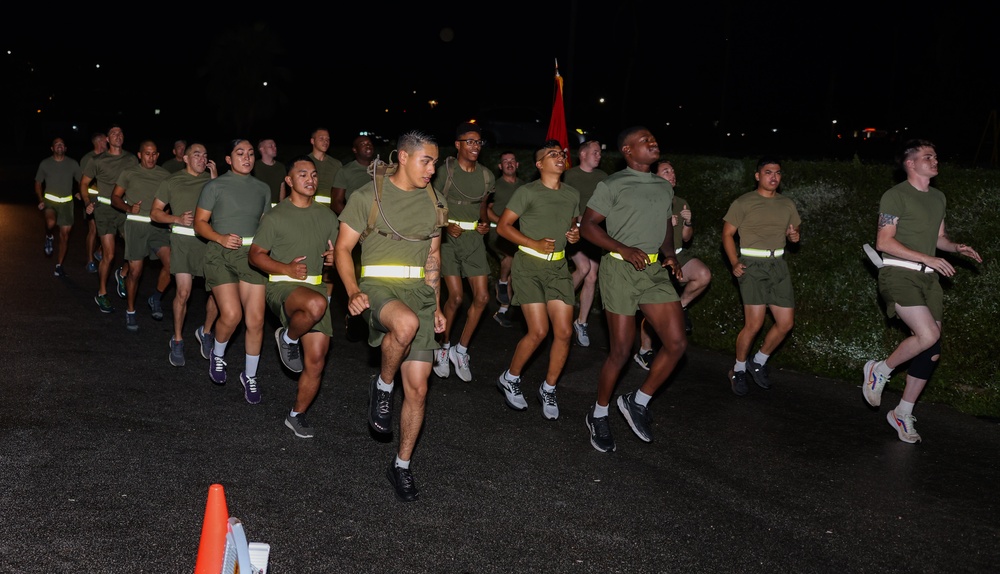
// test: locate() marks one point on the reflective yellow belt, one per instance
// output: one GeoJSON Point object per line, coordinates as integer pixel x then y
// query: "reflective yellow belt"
{"type": "Point", "coordinates": [92, 191]}
{"type": "Point", "coordinates": [104, 200]}
{"type": "Point", "coordinates": [907, 264]}
{"type": "Point", "coordinates": [323, 199]}
{"type": "Point", "coordinates": [554, 256]}
{"type": "Point", "coordinates": [761, 252]}
{"type": "Point", "coordinates": [653, 257]}
{"type": "Point", "coordinates": [181, 230]}
{"type": "Point", "coordinates": [57, 199]}
{"type": "Point", "coordinates": [247, 240]}
{"type": "Point", "coordinates": [466, 225]}
{"type": "Point", "coordinates": [678, 250]}
{"type": "Point", "coordinates": [137, 217]}
{"type": "Point", "coordinates": [393, 271]}
{"type": "Point", "coordinates": [273, 204]}
{"type": "Point", "coordinates": [310, 279]}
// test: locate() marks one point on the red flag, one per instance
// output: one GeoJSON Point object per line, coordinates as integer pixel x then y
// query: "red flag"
{"type": "Point", "coordinates": [557, 124]}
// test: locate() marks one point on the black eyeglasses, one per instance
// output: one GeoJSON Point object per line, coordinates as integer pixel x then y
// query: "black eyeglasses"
{"type": "Point", "coordinates": [479, 143]}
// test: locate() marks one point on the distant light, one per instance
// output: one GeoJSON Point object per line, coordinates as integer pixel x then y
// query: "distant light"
{"type": "Point", "coordinates": [38, 111]}
{"type": "Point", "coordinates": [668, 123]}
{"type": "Point", "coordinates": [387, 110]}
{"type": "Point", "coordinates": [97, 66]}
{"type": "Point", "coordinates": [156, 112]}
{"type": "Point", "coordinates": [8, 52]}
{"type": "Point", "coordinates": [600, 100]}
{"type": "Point", "coordinates": [834, 121]}
{"type": "Point", "coordinates": [76, 128]}
{"type": "Point", "coordinates": [265, 84]}
{"type": "Point", "coordinates": [728, 134]}
{"type": "Point", "coordinates": [432, 103]}
{"type": "Point", "coordinates": [774, 130]}
{"type": "Point", "coordinates": [414, 92]}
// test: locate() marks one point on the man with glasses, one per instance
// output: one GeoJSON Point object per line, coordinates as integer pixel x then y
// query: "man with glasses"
{"type": "Point", "coordinates": [466, 185]}
{"type": "Point", "coordinates": [635, 205]}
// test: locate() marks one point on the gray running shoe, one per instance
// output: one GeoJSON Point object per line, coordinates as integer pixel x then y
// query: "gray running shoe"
{"type": "Point", "coordinates": [442, 367]}
{"type": "Point", "coordinates": [290, 353]}
{"type": "Point", "coordinates": [299, 425]}
{"type": "Point", "coordinates": [176, 353]}
{"type": "Point", "coordinates": [582, 338]}
{"type": "Point", "coordinates": [512, 393]}
{"type": "Point", "coordinates": [155, 307]}
{"type": "Point", "coordinates": [131, 322]}
{"type": "Point", "coordinates": [204, 341]}
{"type": "Point", "coordinates": [91, 267]}
{"type": "Point", "coordinates": [550, 408]}
{"type": "Point", "coordinates": [461, 362]}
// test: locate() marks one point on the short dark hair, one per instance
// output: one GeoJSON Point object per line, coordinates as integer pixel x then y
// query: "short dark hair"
{"type": "Point", "coordinates": [766, 160]}
{"type": "Point", "coordinates": [910, 147]}
{"type": "Point", "coordinates": [297, 159]}
{"type": "Point", "coordinates": [412, 140]}
{"type": "Point", "coordinates": [625, 133]}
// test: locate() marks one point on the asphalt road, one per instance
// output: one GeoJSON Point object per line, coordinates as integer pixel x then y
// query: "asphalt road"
{"type": "Point", "coordinates": [107, 454]}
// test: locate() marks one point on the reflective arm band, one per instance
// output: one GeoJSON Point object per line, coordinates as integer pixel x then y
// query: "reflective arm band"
{"type": "Point", "coordinates": [323, 199]}
{"type": "Point", "coordinates": [554, 256]}
{"type": "Point", "coordinates": [137, 217]}
{"type": "Point", "coordinates": [761, 252]}
{"type": "Point", "coordinates": [907, 264]}
{"type": "Point", "coordinates": [310, 279]}
{"type": "Point", "coordinates": [181, 230]}
{"type": "Point", "coordinates": [678, 250]}
{"type": "Point", "coordinates": [653, 257]}
{"type": "Point", "coordinates": [392, 271]}
{"type": "Point", "coordinates": [92, 191]}
{"type": "Point", "coordinates": [57, 199]}
{"type": "Point", "coordinates": [104, 200]}
{"type": "Point", "coordinates": [466, 225]}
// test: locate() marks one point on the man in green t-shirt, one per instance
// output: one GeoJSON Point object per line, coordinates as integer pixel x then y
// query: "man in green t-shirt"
{"type": "Point", "coordinates": [547, 210]}
{"type": "Point", "coordinates": [270, 170]}
{"type": "Point", "coordinates": [354, 174]}
{"type": "Point", "coordinates": [399, 292]}
{"type": "Point", "coordinates": [634, 204]}
{"type": "Point", "coordinates": [765, 220]}
{"type": "Point", "coordinates": [910, 233]}
{"type": "Point", "coordinates": [585, 256]}
{"type": "Point", "coordinates": [134, 194]}
{"type": "Point", "coordinates": [54, 188]}
{"type": "Point", "coordinates": [100, 143]}
{"type": "Point", "coordinates": [176, 163]}
{"type": "Point", "coordinates": [293, 243]}
{"type": "Point", "coordinates": [467, 185]}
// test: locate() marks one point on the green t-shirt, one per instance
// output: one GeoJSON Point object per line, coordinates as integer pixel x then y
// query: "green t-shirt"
{"type": "Point", "coordinates": [140, 185]}
{"type": "Point", "coordinates": [635, 206]}
{"type": "Point", "coordinates": [584, 182]}
{"type": "Point", "coordinates": [410, 213]}
{"type": "Point", "coordinates": [105, 169]}
{"type": "Point", "coordinates": [289, 231]}
{"type": "Point", "coordinates": [272, 175]}
{"type": "Point", "coordinates": [920, 215]}
{"type": "Point", "coordinates": [174, 165]}
{"type": "Point", "coordinates": [58, 176]}
{"type": "Point", "coordinates": [351, 177]}
{"type": "Point", "coordinates": [326, 170]}
{"type": "Point", "coordinates": [503, 191]}
{"type": "Point", "coordinates": [236, 202]}
{"type": "Point", "coordinates": [543, 212]}
{"type": "Point", "coordinates": [466, 189]}
{"type": "Point", "coordinates": [762, 221]}
{"type": "Point", "coordinates": [181, 191]}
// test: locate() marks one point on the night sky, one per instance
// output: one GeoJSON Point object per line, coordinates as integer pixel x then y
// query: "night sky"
{"type": "Point", "coordinates": [725, 78]}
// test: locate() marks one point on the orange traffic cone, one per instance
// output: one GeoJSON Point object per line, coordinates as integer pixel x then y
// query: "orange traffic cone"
{"type": "Point", "coordinates": [212, 548]}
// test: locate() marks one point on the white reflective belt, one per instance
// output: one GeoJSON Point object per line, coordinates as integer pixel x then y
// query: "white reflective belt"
{"type": "Point", "coordinates": [907, 264]}
{"type": "Point", "coordinates": [273, 204]}
{"type": "Point", "coordinates": [310, 279]}
{"type": "Point", "coordinates": [57, 199]}
{"type": "Point", "coordinates": [181, 230]}
{"type": "Point", "coordinates": [554, 256]}
{"type": "Point", "coordinates": [92, 191]}
{"type": "Point", "coordinates": [466, 225]}
{"type": "Point", "coordinates": [653, 257]}
{"type": "Point", "coordinates": [761, 252]}
{"type": "Point", "coordinates": [247, 240]}
{"type": "Point", "coordinates": [678, 250]}
{"type": "Point", "coordinates": [323, 199]}
{"type": "Point", "coordinates": [393, 271]}
{"type": "Point", "coordinates": [137, 217]}
{"type": "Point", "coordinates": [493, 224]}
{"type": "Point", "coordinates": [104, 200]}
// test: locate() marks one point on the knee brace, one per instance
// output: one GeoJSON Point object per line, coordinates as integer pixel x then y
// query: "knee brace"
{"type": "Point", "coordinates": [922, 366]}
